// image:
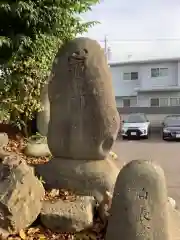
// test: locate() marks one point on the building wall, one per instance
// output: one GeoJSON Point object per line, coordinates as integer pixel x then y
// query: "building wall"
{"type": "Point", "coordinates": [145, 81]}
{"type": "Point", "coordinates": [122, 87]}
{"type": "Point", "coordinates": [178, 73]}
{"type": "Point", "coordinates": [143, 99]}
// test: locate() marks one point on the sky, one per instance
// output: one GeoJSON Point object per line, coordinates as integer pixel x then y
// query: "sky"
{"type": "Point", "coordinates": [137, 29]}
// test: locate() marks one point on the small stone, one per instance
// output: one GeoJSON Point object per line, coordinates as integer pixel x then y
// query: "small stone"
{"type": "Point", "coordinates": [21, 194]}
{"type": "Point", "coordinates": [4, 234]}
{"type": "Point", "coordinates": [35, 149]}
{"type": "Point", "coordinates": [3, 139]}
{"type": "Point", "coordinates": [54, 193]}
{"type": "Point", "coordinates": [3, 154]}
{"type": "Point", "coordinates": [66, 216]}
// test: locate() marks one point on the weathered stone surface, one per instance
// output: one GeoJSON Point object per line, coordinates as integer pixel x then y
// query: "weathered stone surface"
{"type": "Point", "coordinates": [104, 207]}
{"type": "Point", "coordinates": [35, 149]}
{"type": "Point", "coordinates": [21, 194]}
{"type": "Point", "coordinates": [172, 202]}
{"type": "Point", "coordinates": [4, 234]}
{"type": "Point", "coordinates": [174, 223]}
{"type": "Point", "coordinates": [66, 216]}
{"type": "Point", "coordinates": [3, 139]}
{"type": "Point", "coordinates": [3, 154]}
{"type": "Point", "coordinates": [44, 115]}
{"type": "Point", "coordinates": [139, 207]}
{"type": "Point", "coordinates": [84, 120]}
{"type": "Point", "coordinates": [84, 177]}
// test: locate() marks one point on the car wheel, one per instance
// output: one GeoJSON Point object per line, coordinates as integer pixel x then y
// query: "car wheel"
{"type": "Point", "coordinates": [124, 137]}
{"type": "Point", "coordinates": [164, 139]}
{"type": "Point", "coordinates": [147, 136]}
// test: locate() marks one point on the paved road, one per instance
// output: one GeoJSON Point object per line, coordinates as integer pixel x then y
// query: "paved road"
{"type": "Point", "coordinates": [167, 154]}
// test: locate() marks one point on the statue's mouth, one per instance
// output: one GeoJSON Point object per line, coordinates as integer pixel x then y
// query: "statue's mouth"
{"type": "Point", "coordinates": [77, 58]}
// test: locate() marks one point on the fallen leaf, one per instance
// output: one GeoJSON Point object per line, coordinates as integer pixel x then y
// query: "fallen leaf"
{"type": "Point", "coordinates": [32, 230]}
{"type": "Point", "coordinates": [41, 237]}
{"type": "Point", "coordinates": [22, 234]}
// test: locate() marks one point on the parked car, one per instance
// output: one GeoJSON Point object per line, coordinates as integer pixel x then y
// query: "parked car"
{"type": "Point", "coordinates": [136, 125]}
{"type": "Point", "coordinates": [171, 127]}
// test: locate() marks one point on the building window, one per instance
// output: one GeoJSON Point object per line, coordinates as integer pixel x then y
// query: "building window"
{"type": "Point", "coordinates": [126, 102]}
{"type": "Point", "coordinates": [130, 102]}
{"type": "Point", "coordinates": [174, 102]}
{"type": "Point", "coordinates": [164, 102]}
{"type": "Point", "coordinates": [159, 72]}
{"type": "Point", "coordinates": [154, 102]}
{"type": "Point", "coordinates": [130, 76]}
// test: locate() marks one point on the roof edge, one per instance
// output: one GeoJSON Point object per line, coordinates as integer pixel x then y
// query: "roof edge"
{"type": "Point", "coordinates": [114, 64]}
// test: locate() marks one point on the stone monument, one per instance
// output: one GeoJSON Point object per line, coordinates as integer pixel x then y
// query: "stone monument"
{"type": "Point", "coordinates": [84, 121]}
{"type": "Point", "coordinates": [140, 208]}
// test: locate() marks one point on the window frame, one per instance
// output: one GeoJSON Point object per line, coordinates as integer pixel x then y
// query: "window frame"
{"type": "Point", "coordinates": [130, 99]}
{"type": "Point", "coordinates": [130, 76]}
{"type": "Point", "coordinates": [168, 102]}
{"type": "Point", "coordinates": [125, 99]}
{"type": "Point", "coordinates": [156, 99]}
{"type": "Point", "coordinates": [177, 98]}
{"type": "Point", "coordinates": [159, 70]}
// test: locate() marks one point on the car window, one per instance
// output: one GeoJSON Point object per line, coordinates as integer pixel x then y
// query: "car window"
{"type": "Point", "coordinates": [136, 119]}
{"type": "Point", "coordinates": [172, 121]}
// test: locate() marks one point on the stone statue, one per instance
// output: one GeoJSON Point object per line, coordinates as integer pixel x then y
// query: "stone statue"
{"type": "Point", "coordinates": [84, 120]}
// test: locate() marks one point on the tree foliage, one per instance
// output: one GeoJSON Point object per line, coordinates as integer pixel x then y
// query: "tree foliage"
{"type": "Point", "coordinates": [31, 31]}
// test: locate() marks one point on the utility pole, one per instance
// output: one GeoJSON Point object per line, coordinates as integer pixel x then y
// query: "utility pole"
{"type": "Point", "coordinates": [105, 44]}
{"type": "Point", "coordinates": [107, 49]}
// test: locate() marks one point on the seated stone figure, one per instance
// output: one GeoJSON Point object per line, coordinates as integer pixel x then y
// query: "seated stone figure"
{"type": "Point", "coordinates": [84, 121]}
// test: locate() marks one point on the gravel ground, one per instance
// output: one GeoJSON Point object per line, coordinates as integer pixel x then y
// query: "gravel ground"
{"type": "Point", "coordinates": [167, 154]}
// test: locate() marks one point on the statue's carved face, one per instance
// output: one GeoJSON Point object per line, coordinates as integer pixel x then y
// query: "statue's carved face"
{"type": "Point", "coordinates": [80, 55]}
{"type": "Point", "coordinates": [76, 63]}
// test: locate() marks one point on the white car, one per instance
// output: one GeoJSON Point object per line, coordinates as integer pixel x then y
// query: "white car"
{"type": "Point", "coordinates": [135, 125]}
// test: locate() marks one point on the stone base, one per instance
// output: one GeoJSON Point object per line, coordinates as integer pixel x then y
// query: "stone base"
{"type": "Point", "coordinates": [68, 216]}
{"type": "Point", "coordinates": [84, 177]}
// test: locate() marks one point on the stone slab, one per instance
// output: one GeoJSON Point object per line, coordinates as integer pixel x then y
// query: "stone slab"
{"type": "Point", "coordinates": [67, 216]}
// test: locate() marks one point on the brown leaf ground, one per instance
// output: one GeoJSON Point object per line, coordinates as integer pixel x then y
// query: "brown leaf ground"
{"type": "Point", "coordinates": [37, 232]}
